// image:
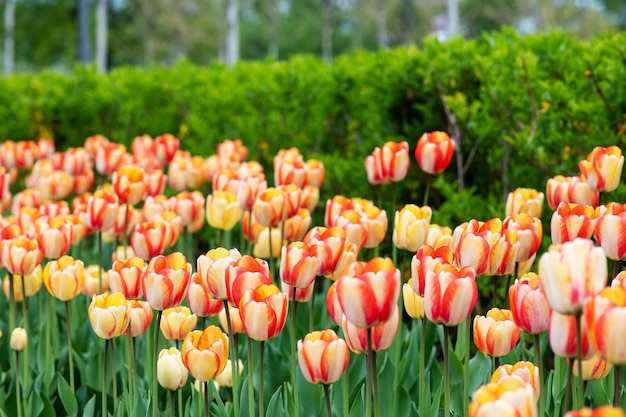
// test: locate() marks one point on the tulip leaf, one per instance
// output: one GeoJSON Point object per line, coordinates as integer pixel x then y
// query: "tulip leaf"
{"type": "Point", "coordinates": [276, 404]}
{"type": "Point", "coordinates": [90, 407]}
{"type": "Point", "coordinates": [67, 396]}
{"type": "Point", "coordinates": [356, 410]}
{"type": "Point", "coordinates": [243, 398]}
{"type": "Point", "coordinates": [480, 370]}
{"type": "Point", "coordinates": [387, 392]}
{"type": "Point", "coordinates": [311, 397]}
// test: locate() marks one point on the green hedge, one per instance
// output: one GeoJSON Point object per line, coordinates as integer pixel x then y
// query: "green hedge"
{"type": "Point", "coordinates": [528, 107]}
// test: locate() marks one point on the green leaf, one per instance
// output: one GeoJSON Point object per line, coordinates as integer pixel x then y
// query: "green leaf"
{"type": "Point", "coordinates": [356, 410]}
{"type": "Point", "coordinates": [90, 407]}
{"type": "Point", "coordinates": [480, 370]}
{"type": "Point", "coordinates": [275, 406]}
{"type": "Point", "coordinates": [67, 396]}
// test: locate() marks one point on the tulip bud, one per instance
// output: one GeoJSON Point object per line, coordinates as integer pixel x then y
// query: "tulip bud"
{"type": "Point", "coordinates": [171, 372]}
{"type": "Point", "coordinates": [19, 339]}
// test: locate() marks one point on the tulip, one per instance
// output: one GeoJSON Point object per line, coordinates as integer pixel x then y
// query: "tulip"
{"type": "Point", "coordinates": [20, 255]}
{"type": "Point", "coordinates": [177, 322]}
{"type": "Point", "coordinates": [604, 315]}
{"type": "Point", "coordinates": [368, 291]}
{"type": "Point", "coordinates": [129, 184]}
{"type": "Point", "coordinates": [109, 314]}
{"type": "Point", "coordinates": [495, 334]}
{"type": "Point", "coordinates": [165, 281]}
{"type": "Point", "coordinates": [26, 198]}
{"type": "Point", "coordinates": [602, 169]}
{"type": "Point", "coordinates": [562, 335]}
{"type": "Point", "coordinates": [602, 411]}
{"type": "Point", "coordinates": [212, 268]}
{"type": "Point", "coordinates": [101, 210]}
{"type": "Point", "coordinates": [450, 294]}
{"type": "Point", "coordinates": [164, 147]}
{"type": "Point", "coordinates": [190, 207]}
{"type": "Point", "coordinates": [315, 173]}
{"type": "Point", "coordinates": [570, 221]}
{"type": "Point", "coordinates": [310, 198]}
{"type": "Point", "coordinates": [235, 320]}
{"type": "Point", "coordinates": [225, 180]}
{"type": "Point", "coordinates": [529, 234]}
{"type": "Point", "coordinates": [375, 221]}
{"type": "Point", "coordinates": [63, 278]}
{"type": "Point", "coordinates": [523, 371]}
{"type": "Point", "coordinates": [171, 373]}
{"type": "Point", "coordinates": [426, 259]}
{"type": "Point", "coordinates": [225, 378]}
{"type": "Point", "coordinates": [54, 236]}
{"type": "Point", "coordinates": [109, 157]}
{"type": "Point", "coordinates": [610, 231]}
{"type": "Point", "coordinates": [329, 244]}
{"type": "Point", "coordinates": [94, 277]}
{"type": "Point", "coordinates": [411, 226]}
{"type": "Point", "coordinates": [149, 239]}
{"type": "Point", "coordinates": [383, 334]}
{"type": "Point", "coordinates": [413, 303]}
{"type": "Point", "coordinates": [246, 273]}
{"type": "Point", "coordinates": [249, 189]}
{"type": "Point", "coordinates": [205, 352]}
{"type": "Point", "coordinates": [19, 339]}
{"type": "Point", "coordinates": [268, 208]}
{"type": "Point", "coordinates": [55, 185]}
{"type": "Point", "coordinates": [354, 225]}
{"type": "Point", "coordinates": [524, 200]}
{"type": "Point", "coordinates": [510, 397]}
{"type": "Point", "coordinates": [263, 311]}
{"type": "Point", "coordinates": [346, 258]}
{"type": "Point", "coordinates": [261, 248]}
{"type": "Point", "coordinates": [290, 171]}
{"type": "Point", "coordinates": [594, 368]}
{"type": "Point", "coordinates": [571, 272]}
{"type": "Point", "coordinates": [298, 264]}
{"type": "Point", "coordinates": [200, 301]}
{"type": "Point", "coordinates": [222, 210]}
{"type": "Point", "coordinates": [125, 276]}
{"type": "Point", "coordinates": [26, 286]}
{"type": "Point", "coordinates": [142, 145]}
{"type": "Point", "coordinates": [573, 190]}
{"type": "Point", "coordinates": [434, 152]}
{"type": "Point", "coordinates": [293, 196]}
{"type": "Point", "coordinates": [332, 304]}
{"type": "Point", "coordinates": [297, 226]}
{"type": "Point", "coordinates": [529, 305]}
{"type": "Point", "coordinates": [334, 207]}
{"type": "Point", "coordinates": [141, 315]}
{"type": "Point", "coordinates": [323, 357]}
{"type": "Point", "coordinates": [155, 182]}
{"type": "Point", "coordinates": [303, 295]}
{"type": "Point", "coordinates": [389, 163]}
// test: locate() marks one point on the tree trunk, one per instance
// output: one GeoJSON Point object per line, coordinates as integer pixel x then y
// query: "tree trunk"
{"type": "Point", "coordinates": [101, 36]}
{"type": "Point", "coordinates": [232, 32]}
{"type": "Point", "coordinates": [273, 20]}
{"type": "Point", "coordinates": [9, 41]}
{"type": "Point", "coordinates": [452, 14]}
{"type": "Point", "coordinates": [381, 25]}
{"type": "Point", "coordinates": [406, 22]}
{"type": "Point", "coordinates": [327, 31]}
{"type": "Point", "coordinates": [147, 10]}
{"type": "Point", "coordinates": [84, 41]}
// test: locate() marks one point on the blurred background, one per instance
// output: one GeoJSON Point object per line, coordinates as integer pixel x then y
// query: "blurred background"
{"type": "Point", "coordinates": [55, 34]}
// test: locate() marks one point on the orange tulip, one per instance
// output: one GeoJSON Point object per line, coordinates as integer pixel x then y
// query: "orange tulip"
{"type": "Point", "coordinates": [450, 294]}
{"type": "Point", "coordinates": [205, 352]}
{"type": "Point", "coordinates": [310, 198]}
{"type": "Point", "coordinates": [524, 200]}
{"type": "Point", "coordinates": [189, 205]}
{"type": "Point", "coordinates": [129, 184]}
{"type": "Point", "coordinates": [92, 143]}
{"type": "Point", "coordinates": [297, 226]}
{"type": "Point", "coordinates": [102, 209]}
{"type": "Point", "coordinates": [348, 256]}
{"type": "Point", "coordinates": [25, 198]}
{"type": "Point", "coordinates": [334, 207]}
{"type": "Point", "coordinates": [164, 147]}
{"type": "Point", "coordinates": [571, 272]}
{"type": "Point", "coordinates": [610, 231]}
{"type": "Point", "coordinates": [177, 322]}
{"type": "Point", "coordinates": [570, 221]}
{"type": "Point", "coordinates": [389, 163]}
{"type": "Point", "coordinates": [332, 304]}
{"type": "Point", "coordinates": [212, 268]}
{"type": "Point", "coordinates": [368, 291]}
{"type": "Point", "coordinates": [523, 371]}
{"type": "Point", "coordinates": [74, 161]}
{"type": "Point", "coordinates": [529, 305]}
{"type": "Point", "coordinates": [165, 281]}
{"type": "Point", "coordinates": [410, 227]}
{"type": "Point", "coordinates": [155, 182]}
{"type": "Point", "coordinates": [20, 255]}
{"type": "Point", "coordinates": [293, 196]}
{"type": "Point", "coordinates": [605, 316]}
{"type": "Point", "coordinates": [54, 208]}
{"type": "Point", "coordinates": [529, 234]}
{"type": "Point", "coordinates": [230, 147]}
{"type": "Point", "coordinates": [562, 336]}
{"type": "Point", "coordinates": [495, 334]}
{"type": "Point", "coordinates": [315, 173]}
{"type": "Point", "coordinates": [246, 273]}
{"type": "Point", "coordinates": [375, 221]}
{"type": "Point", "coordinates": [125, 276]}
{"type": "Point", "coordinates": [54, 236]}
{"type": "Point", "coordinates": [323, 357]}
{"type": "Point", "coordinates": [426, 259]}
{"type": "Point", "coordinates": [383, 334]}
{"type": "Point", "coordinates": [290, 171]}
{"type": "Point", "coordinates": [298, 264]}
{"type": "Point", "coordinates": [4, 184]}
{"type": "Point", "coordinates": [222, 210]}
{"type": "Point", "coordinates": [171, 372]}
{"type": "Point", "coordinates": [269, 208]}
{"type": "Point", "coordinates": [149, 239]}
{"type": "Point", "coordinates": [235, 320]}
{"type": "Point", "coordinates": [225, 180]}
{"type": "Point", "coordinates": [141, 315]}
{"type": "Point", "coordinates": [109, 314]}
{"type": "Point", "coordinates": [508, 398]}
{"type": "Point", "coordinates": [263, 311]}
{"type": "Point", "coordinates": [594, 368]}
{"type": "Point", "coordinates": [602, 411]}
{"type": "Point", "coordinates": [109, 157]}
{"type": "Point", "coordinates": [602, 169]}
{"type": "Point", "coordinates": [573, 190]}
{"type": "Point", "coordinates": [303, 295]}
{"type": "Point", "coordinates": [434, 152]}
{"type": "Point", "coordinates": [55, 185]}
{"type": "Point", "coordinates": [249, 188]}
{"type": "Point", "coordinates": [26, 153]}
{"type": "Point", "coordinates": [141, 145]}
{"type": "Point", "coordinates": [200, 301]}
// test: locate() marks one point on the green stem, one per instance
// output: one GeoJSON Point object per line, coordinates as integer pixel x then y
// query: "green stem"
{"type": "Point", "coordinates": [579, 358]}
{"type": "Point", "coordinates": [568, 390]}
{"type": "Point", "coordinates": [346, 393]}
{"type": "Point", "coordinates": [155, 383]}
{"type": "Point", "coordinates": [250, 379]}
{"type": "Point", "coordinates": [18, 395]}
{"type": "Point", "coordinates": [617, 398]}
{"type": "Point", "coordinates": [368, 375]}
{"type": "Point", "coordinates": [429, 179]}
{"type": "Point", "coordinates": [329, 410]}
{"type": "Point", "coordinates": [26, 368]}
{"type": "Point", "coordinates": [13, 307]}
{"type": "Point", "coordinates": [180, 401]}
{"type": "Point", "coordinates": [129, 364]}
{"type": "Point", "coordinates": [421, 370]}
{"type": "Point", "coordinates": [446, 369]}
{"type": "Point", "coordinates": [495, 290]}
{"type": "Point", "coordinates": [69, 345]}
{"type": "Point", "coordinates": [250, 244]}
{"type": "Point", "coordinates": [49, 365]}
{"type": "Point", "coordinates": [261, 394]}
{"type": "Point", "coordinates": [124, 235]}
{"type": "Point", "coordinates": [539, 361]}
{"type": "Point", "coordinates": [233, 359]}
{"type": "Point", "coordinates": [172, 400]}
{"type": "Point", "coordinates": [311, 305]}
{"type": "Point", "coordinates": [104, 378]}
{"type": "Point", "coordinates": [206, 398]}
{"type": "Point", "coordinates": [294, 353]}
{"type": "Point", "coordinates": [100, 260]}
{"type": "Point", "coordinates": [375, 385]}
{"type": "Point", "coordinates": [466, 360]}
{"type": "Point", "coordinates": [185, 243]}
{"type": "Point", "coordinates": [114, 374]}
{"type": "Point", "coordinates": [270, 257]}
